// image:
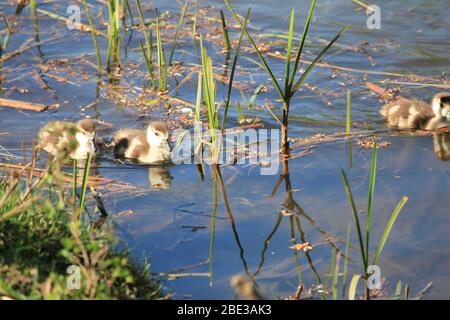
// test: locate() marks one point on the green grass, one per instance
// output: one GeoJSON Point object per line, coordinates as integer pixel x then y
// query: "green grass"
{"type": "Point", "coordinates": [209, 100]}
{"type": "Point", "coordinates": [233, 69]}
{"type": "Point", "coordinates": [291, 82]}
{"type": "Point", "coordinates": [180, 22]}
{"type": "Point", "coordinates": [94, 34]}
{"type": "Point", "coordinates": [225, 31]}
{"type": "Point", "coordinates": [147, 50]}
{"type": "Point", "coordinates": [84, 182]}
{"type": "Point", "coordinates": [162, 64]}
{"type": "Point", "coordinates": [194, 26]}
{"type": "Point", "coordinates": [39, 240]}
{"type": "Point", "coordinates": [364, 239]}
{"type": "Point", "coordinates": [113, 33]}
{"type": "Point", "coordinates": [5, 41]}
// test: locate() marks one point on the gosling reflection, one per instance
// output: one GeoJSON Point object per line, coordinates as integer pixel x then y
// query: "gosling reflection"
{"type": "Point", "coordinates": [159, 178]}
{"type": "Point", "coordinates": [441, 146]}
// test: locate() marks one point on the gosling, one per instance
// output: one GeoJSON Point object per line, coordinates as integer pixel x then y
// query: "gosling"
{"type": "Point", "coordinates": [415, 114]}
{"type": "Point", "coordinates": [146, 146]}
{"type": "Point", "coordinates": [65, 139]}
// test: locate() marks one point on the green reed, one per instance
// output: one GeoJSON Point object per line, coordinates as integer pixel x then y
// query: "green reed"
{"type": "Point", "coordinates": [291, 84]}
{"type": "Point", "coordinates": [180, 22]}
{"type": "Point", "coordinates": [94, 34]}
{"type": "Point", "coordinates": [84, 182]}
{"type": "Point", "coordinates": [233, 69]}
{"type": "Point", "coordinates": [225, 31]}
{"type": "Point", "coordinates": [364, 241]}
{"type": "Point", "coordinates": [194, 27]}
{"type": "Point", "coordinates": [147, 50]}
{"type": "Point", "coordinates": [113, 32]}
{"type": "Point", "coordinates": [209, 100]}
{"type": "Point", "coordinates": [149, 65]}
{"type": "Point", "coordinates": [5, 41]}
{"type": "Point", "coordinates": [162, 64]}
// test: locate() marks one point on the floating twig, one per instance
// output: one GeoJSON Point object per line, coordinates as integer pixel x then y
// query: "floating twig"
{"type": "Point", "coordinates": [37, 107]}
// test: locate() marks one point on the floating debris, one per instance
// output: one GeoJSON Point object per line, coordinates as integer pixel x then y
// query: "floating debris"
{"type": "Point", "coordinates": [305, 247]}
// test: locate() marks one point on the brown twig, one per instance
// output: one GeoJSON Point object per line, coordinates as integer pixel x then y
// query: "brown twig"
{"type": "Point", "coordinates": [37, 107]}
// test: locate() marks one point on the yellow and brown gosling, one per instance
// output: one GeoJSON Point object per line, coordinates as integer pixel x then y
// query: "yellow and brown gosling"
{"type": "Point", "coordinates": [146, 146]}
{"type": "Point", "coordinates": [65, 139]}
{"type": "Point", "coordinates": [415, 114]}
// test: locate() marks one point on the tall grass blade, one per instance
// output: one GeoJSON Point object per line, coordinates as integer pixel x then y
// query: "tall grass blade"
{"type": "Point", "coordinates": [373, 174]}
{"type": "Point", "coordinates": [149, 65]}
{"type": "Point", "coordinates": [288, 54]}
{"type": "Point", "coordinates": [194, 28]}
{"type": "Point", "coordinates": [346, 258]}
{"type": "Point", "coordinates": [225, 31]}
{"type": "Point", "coordinates": [353, 286]}
{"type": "Point", "coordinates": [75, 176]}
{"type": "Point", "coordinates": [335, 278]}
{"type": "Point", "coordinates": [144, 29]}
{"type": "Point", "coordinates": [85, 181]}
{"type": "Point", "coordinates": [313, 63]}
{"type": "Point", "coordinates": [302, 43]}
{"type": "Point", "coordinates": [198, 102]}
{"type": "Point", "coordinates": [398, 290]}
{"type": "Point", "coordinates": [94, 34]}
{"type": "Point", "coordinates": [258, 52]}
{"type": "Point", "coordinates": [180, 22]}
{"type": "Point", "coordinates": [162, 68]}
{"type": "Point", "coordinates": [356, 218]}
{"type": "Point", "coordinates": [388, 228]}
{"type": "Point", "coordinates": [233, 69]}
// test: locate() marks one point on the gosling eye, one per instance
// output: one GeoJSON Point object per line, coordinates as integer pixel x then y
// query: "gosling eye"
{"type": "Point", "coordinates": [157, 134]}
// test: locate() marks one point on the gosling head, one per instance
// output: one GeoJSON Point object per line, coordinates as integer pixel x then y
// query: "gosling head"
{"type": "Point", "coordinates": [157, 134]}
{"type": "Point", "coordinates": [441, 105]}
{"type": "Point", "coordinates": [87, 128]}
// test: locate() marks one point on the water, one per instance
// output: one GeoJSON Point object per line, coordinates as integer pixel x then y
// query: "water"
{"type": "Point", "coordinates": [172, 227]}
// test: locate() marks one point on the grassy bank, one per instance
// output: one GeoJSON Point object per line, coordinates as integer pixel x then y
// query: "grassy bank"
{"type": "Point", "coordinates": [45, 240]}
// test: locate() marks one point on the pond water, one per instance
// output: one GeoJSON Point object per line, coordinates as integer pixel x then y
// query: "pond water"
{"type": "Point", "coordinates": [172, 227]}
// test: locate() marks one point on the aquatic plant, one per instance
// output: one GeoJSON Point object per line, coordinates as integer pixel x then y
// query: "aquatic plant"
{"type": "Point", "coordinates": [365, 240]}
{"type": "Point", "coordinates": [4, 41]}
{"type": "Point", "coordinates": [225, 31]}
{"type": "Point", "coordinates": [291, 84]}
{"type": "Point", "coordinates": [94, 34]}
{"type": "Point", "coordinates": [147, 50]}
{"type": "Point", "coordinates": [209, 100]}
{"type": "Point", "coordinates": [113, 32]}
{"type": "Point", "coordinates": [180, 22]}
{"type": "Point", "coordinates": [162, 64]}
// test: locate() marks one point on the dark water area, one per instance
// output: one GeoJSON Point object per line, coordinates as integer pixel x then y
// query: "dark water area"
{"type": "Point", "coordinates": [172, 227]}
